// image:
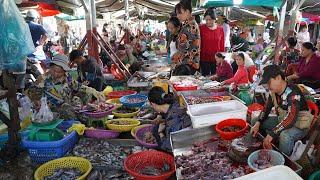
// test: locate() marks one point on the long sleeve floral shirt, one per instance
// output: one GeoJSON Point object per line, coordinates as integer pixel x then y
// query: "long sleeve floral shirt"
{"type": "Point", "coordinates": [188, 44]}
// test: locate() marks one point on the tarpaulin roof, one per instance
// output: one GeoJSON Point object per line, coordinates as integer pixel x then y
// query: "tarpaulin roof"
{"type": "Point", "coordinates": [224, 3]}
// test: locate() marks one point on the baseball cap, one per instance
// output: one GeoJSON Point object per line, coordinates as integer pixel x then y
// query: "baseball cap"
{"type": "Point", "coordinates": [269, 72]}
{"type": "Point", "coordinates": [62, 61]}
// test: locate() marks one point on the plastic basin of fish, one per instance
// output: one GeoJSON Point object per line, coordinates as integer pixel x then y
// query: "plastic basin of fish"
{"type": "Point", "coordinates": [149, 158]}
{"type": "Point", "coordinates": [48, 168]}
{"type": "Point", "coordinates": [231, 122]}
{"type": "Point", "coordinates": [130, 124]}
{"type": "Point", "coordinates": [101, 133]}
{"type": "Point", "coordinates": [140, 134]}
{"type": "Point", "coordinates": [125, 100]}
{"type": "Point", "coordinates": [125, 115]}
{"type": "Point", "coordinates": [276, 158]}
{"type": "Point", "coordinates": [119, 94]}
{"type": "Point", "coordinates": [115, 101]}
{"type": "Point", "coordinates": [135, 129]}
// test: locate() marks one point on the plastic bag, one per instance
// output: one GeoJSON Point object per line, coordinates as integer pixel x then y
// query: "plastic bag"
{"type": "Point", "coordinates": [15, 38]}
{"type": "Point", "coordinates": [44, 115]}
{"type": "Point", "coordinates": [25, 112]}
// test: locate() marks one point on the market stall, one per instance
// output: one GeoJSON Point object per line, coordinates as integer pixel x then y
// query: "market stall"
{"type": "Point", "coordinates": [72, 131]}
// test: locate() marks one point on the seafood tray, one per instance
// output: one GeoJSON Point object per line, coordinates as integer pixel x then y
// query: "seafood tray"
{"type": "Point", "coordinates": [201, 94]}
{"type": "Point", "coordinates": [139, 79]}
{"type": "Point", "coordinates": [106, 153]}
{"type": "Point", "coordinates": [182, 143]}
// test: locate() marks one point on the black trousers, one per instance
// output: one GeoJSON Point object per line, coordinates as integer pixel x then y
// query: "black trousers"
{"type": "Point", "coordinates": [234, 67]}
{"type": "Point", "coordinates": [315, 84]}
{"type": "Point", "coordinates": [208, 68]}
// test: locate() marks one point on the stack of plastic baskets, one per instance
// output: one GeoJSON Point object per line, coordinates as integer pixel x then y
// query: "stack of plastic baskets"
{"type": "Point", "coordinates": [41, 152]}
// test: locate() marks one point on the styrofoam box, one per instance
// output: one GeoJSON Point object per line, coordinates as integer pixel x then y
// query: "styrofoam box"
{"type": "Point", "coordinates": [212, 113]}
{"type": "Point", "coordinates": [280, 172]}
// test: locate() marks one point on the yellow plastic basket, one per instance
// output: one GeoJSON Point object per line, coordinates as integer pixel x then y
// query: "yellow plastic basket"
{"type": "Point", "coordinates": [123, 128]}
{"type": "Point", "coordinates": [134, 130]}
{"type": "Point", "coordinates": [48, 168]}
{"type": "Point", "coordinates": [125, 115]}
{"type": "Point", "coordinates": [115, 102]}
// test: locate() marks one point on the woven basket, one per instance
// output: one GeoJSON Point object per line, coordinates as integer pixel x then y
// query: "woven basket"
{"type": "Point", "coordinates": [140, 134]}
{"type": "Point", "coordinates": [101, 133]}
{"type": "Point", "coordinates": [126, 115]}
{"type": "Point", "coordinates": [115, 101]}
{"type": "Point", "coordinates": [135, 162]}
{"type": "Point", "coordinates": [48, 168]}
{"type": "Point", "coordinates": [99, 115]}
{"type": "Point", "coordinates": [123, 128]}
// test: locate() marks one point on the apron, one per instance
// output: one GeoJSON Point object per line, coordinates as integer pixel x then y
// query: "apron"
{"type": "Point", "coordinates": [304, 118]}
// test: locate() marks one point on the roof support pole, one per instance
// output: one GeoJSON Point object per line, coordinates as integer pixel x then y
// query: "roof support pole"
{"type": "Point", "coordinates": [95, 47]}
{"type": "Point", "coordinates": [126, 9]}
{"type": "Point", "coordinates": [280, 32]}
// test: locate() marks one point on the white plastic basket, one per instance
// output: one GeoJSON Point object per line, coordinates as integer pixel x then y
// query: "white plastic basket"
{"type": "Point", "coordinates": [212, 113]}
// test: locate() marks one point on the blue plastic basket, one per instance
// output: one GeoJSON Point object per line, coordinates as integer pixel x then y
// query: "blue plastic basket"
{"type": "Point", "coordinates": [65, 125]}
{"type": "Point", "coordinates": [41, 152]}
{"type": "Point", "coordinates": [124, 100]}
{"type": "Point", "coordinates": [4, 137]}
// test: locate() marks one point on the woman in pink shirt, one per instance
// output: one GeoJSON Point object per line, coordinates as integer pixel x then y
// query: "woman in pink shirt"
{"type": "Point", "coordinates": [241, 76]}
{"type": "Point", "coordinates": [224, 70]}
{"type": "Point", "coordinates": [308, 68]}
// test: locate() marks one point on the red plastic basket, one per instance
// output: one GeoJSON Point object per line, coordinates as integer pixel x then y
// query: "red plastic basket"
{"type": "Point", "coordinates": [231, 122]}
{"type": "Point", "coordinates": [135, 162]}
{"type": "Point", "coordinates": [139, 136]}
{"type": "Point", "coordinates": [254, 107]}
{"type": "Point", "coordinates": [119, 94]}
{"type": "Point", "coordinates": [101, 133]}
{"type": "Point", "coordinates": [185, 88]}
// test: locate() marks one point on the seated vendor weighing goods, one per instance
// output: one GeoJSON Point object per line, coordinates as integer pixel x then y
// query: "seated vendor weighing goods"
{"type": "Point", "coordinates": [293, 119]}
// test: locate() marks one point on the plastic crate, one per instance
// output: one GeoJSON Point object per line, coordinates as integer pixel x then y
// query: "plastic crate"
{"type": "Point", "coordinates": [41, 152]}
{"type": "Point", "coordinates": [65, 125]}
{"type": "Point", "coordinates": [212, 113]}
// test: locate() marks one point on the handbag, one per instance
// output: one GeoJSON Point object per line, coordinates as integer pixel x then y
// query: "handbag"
{"type": "Point", "coordinates": [304, 118]}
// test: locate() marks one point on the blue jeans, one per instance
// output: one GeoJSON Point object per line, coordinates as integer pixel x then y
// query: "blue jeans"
{"type": "Point", "coordinates": [287, 137]}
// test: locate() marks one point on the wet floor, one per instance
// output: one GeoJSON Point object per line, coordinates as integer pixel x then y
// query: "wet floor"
{"type": "Point", "coordinates": [19, 169]}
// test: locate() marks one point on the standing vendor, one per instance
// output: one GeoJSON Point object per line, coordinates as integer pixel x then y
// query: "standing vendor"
{"type": "Point", "coordinates": [88, 70]}
{"type": "Point", "coordinates": [188, 41]}
{"type": "Point", "coordinates": [174, 117]}
{"type": "Point", "coordinates": [292, 120]}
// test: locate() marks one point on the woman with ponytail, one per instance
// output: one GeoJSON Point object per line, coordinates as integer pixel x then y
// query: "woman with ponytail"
{"type": "Point", "coordinates": [308, 69]}
{"type": "Point", "coordinates": [174, 117]}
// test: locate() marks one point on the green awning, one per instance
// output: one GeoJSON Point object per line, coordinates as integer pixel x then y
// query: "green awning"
{"type": "Point", "coordinates": [67, 17]}
{"type": "Point", "coordinates": [225, 3]}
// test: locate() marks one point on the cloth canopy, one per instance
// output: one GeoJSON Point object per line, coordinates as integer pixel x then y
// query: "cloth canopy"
{"type": "Point", "coordinates": [45, 9]}
{"type": "Point", "coordinates": [224, 3]}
